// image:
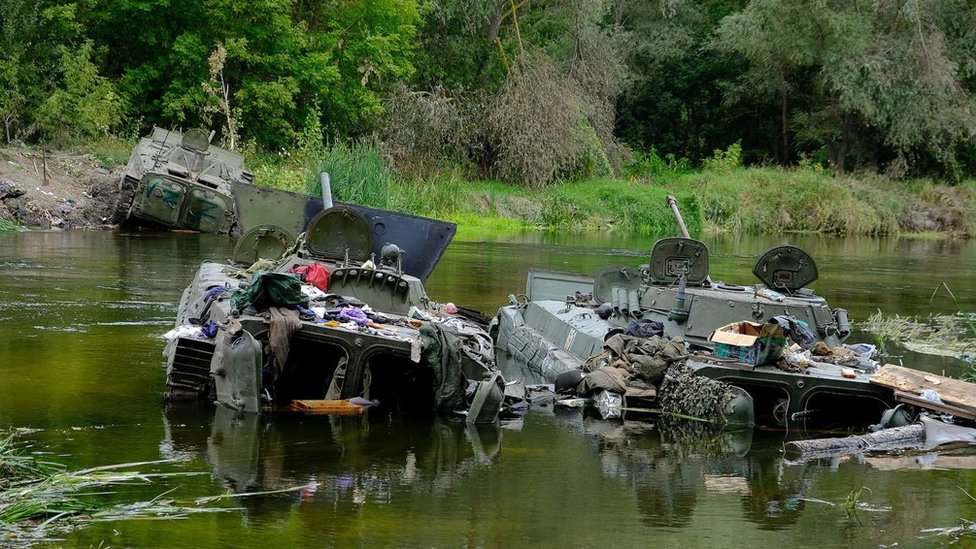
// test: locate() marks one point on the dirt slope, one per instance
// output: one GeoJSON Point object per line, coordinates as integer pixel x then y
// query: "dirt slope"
{"type": "Point", "coordinates": [56, 190]}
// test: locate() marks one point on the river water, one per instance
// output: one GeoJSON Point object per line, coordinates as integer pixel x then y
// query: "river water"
{"type": "Point", "coordinates": [81, 364]}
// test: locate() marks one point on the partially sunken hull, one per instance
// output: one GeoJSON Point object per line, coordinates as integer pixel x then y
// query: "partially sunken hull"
{"type": "Point", "coordinates": [565, 319]}
{"type": "Point", "coordinates": [361, 337]}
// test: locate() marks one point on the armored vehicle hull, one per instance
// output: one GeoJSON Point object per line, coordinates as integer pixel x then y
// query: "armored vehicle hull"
{"type": "Point", "coordinates": [352, 331]}
{"type": "Point", "coordinates": [563, 319]}
{"type": "Point", "coordinates": [181, 181]}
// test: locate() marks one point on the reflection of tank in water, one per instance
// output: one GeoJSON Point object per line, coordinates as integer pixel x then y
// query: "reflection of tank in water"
{"type": "Point", "coordinates": [181, 181]}
{"type": "Point", "coordinates": [326, 459]}
{"type": "Point", "coordinates": [670, 465]}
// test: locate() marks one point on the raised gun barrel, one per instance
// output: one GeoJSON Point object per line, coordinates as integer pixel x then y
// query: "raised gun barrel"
{"type": "Point", "coordinates": [673, 202]}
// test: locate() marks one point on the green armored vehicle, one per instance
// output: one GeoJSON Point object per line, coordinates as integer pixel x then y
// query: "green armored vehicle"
{"type": "Point", "coordinates": [564, 319]}
{"type": "Point", "coordinates": [335, 321]}
{"type": "Point", "coordinates": [181, 181]}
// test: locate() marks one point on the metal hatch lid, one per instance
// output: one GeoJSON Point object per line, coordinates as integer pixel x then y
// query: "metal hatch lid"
{"type": "Point", "coordinates": [423, 240]}
{"type": "Point", "coordinates": [672, 257]}
{"type": "Point", "coordinates": [785, 268]}
{"type": "Point", "coordinates": [262, 242]}
{"type": "Point", "coordinates": [334, 232]}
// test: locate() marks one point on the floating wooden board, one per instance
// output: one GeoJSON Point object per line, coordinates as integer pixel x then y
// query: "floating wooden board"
{"type": "Point", "coordinates": [958, 395]}
{"type": "Point", "coordinates": [915, 400]}
{"type": "Point", "coordinates": [326, 407]}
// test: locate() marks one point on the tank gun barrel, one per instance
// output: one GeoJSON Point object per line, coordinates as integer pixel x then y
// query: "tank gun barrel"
{"type": "Point", "coordinates": [673, 202]}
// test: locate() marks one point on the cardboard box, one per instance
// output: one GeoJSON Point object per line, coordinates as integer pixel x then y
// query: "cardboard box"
{"type": "Point", "coordinates": [748, 342]}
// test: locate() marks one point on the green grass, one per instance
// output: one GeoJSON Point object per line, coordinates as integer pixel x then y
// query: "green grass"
{"type": "Point", "coordinates": [725, 198]}
{"type": "Point", "coordinates": [111, 151]}
{"type": "Point", "coordinates": [7, 226]}
{"type": "Point", "coordinates": [41, 498]}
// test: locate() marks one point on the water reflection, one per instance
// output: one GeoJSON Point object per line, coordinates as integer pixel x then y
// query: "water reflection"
{"type": "Point", "coordinates": [80, 359]}
{"type": "Point", "coordinates": [337, 460]}
{"type": "Point", "coordinates": [669, 466]}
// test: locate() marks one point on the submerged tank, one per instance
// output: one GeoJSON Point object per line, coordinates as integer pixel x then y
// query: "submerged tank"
{"type": "Point", "coordinates": [563, 319]}
{"type": "Point", "coordinates": [181, 181]}
{"type": "Point", "coordinates": [333, 321]}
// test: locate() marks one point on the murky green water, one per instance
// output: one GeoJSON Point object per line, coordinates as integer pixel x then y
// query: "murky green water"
{"type": "Point", "coordinates": [80, 361]}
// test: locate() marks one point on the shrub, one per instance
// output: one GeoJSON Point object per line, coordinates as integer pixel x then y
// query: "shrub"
{"type": "Point", "coordinates": [725, 161]}
{"type": "Point", "coordinates": [424, 131]}
{"type": "Point", "coordinates": [534, 124]}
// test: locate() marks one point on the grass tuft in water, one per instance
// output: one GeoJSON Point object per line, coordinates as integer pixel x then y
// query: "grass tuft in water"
{"type": "Point", "coordinates": [41, 499]}
{"type": "Point", "coordinates": [7, 226]}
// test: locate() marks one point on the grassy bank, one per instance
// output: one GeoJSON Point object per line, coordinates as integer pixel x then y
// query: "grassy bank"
{"type": "Point", "coordinates": [722, 197]}
{"type": "Point", "coordinates": [718, 198]}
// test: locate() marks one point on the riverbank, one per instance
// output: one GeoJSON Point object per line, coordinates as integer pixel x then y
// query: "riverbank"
{"type": "Point", "coordinates": [78, 188]}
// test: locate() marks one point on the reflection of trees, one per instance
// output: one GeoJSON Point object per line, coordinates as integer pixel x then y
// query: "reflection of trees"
{"type": "Point", "coordinates": [774, 499]}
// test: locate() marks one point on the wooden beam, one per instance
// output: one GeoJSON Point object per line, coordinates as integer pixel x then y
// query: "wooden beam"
{"type": "Point", "coordinates": [955, 393]}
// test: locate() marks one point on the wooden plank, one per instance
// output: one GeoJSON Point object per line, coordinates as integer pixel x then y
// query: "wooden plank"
{"type": "Point", "coordinates": [954, 392]}
{"type": "Point", "coordinates": [915, 400]}
{"type": "Point", "coordinates": [326, 407]}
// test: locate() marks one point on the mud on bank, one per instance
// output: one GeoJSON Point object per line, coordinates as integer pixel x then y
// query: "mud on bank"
{"type": "Point", "coordinates": [56, 190]}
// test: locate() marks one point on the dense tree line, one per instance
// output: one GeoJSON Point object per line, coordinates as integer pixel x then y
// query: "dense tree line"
{"type": "Point", "coordinates": [528, 90]}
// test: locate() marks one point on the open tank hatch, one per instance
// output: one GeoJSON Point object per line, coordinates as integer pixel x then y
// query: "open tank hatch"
{"type": "Point", "coordinates": [786, 268]}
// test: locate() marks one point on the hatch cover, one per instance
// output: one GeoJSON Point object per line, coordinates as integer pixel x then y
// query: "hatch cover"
{"type": "Point", "coordinates": [671, 257]}
{"type": "Point", "coordinates": [262, 242]}
{"type": "Point", "coordinates": [785, 268]}
{"type": "Point", "coordinates": [331, 232]}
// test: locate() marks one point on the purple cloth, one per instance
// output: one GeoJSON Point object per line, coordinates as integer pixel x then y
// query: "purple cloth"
{"type": "Point", "coordinates": [209, 330]}
{"type": "Point", "coordinates": [353, 314]}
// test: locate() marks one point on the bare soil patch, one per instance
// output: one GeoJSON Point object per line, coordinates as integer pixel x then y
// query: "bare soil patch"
{"type": "Point", "coordinates": [56, 190]}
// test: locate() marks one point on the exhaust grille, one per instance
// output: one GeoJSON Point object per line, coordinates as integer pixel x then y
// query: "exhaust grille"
{"type": "Point", "coordinates": [189, 375]}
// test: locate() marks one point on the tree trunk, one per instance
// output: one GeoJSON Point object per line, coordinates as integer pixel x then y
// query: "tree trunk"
{"type": "Point", "coordinates": [786, 143]}
{"type": "Point", "coordinates": [494, 26]}
{"type": "Point", "coordinates": [888, 439]}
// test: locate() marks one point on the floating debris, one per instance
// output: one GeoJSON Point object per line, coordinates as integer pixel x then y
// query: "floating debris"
{"type": "Point", "coordinates": [942, 335]}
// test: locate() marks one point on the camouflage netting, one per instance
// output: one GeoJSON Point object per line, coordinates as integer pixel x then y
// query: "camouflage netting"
{"type": "Point", "coordinates": [655, 367]}
{"type": "Point", "coordinates": [686, 393]}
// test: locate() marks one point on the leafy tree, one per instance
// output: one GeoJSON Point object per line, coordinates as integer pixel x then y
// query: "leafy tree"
{"type": "Point", "coordinates": [284, 59]}
{"type": "Point", "coordinates": [851, 77]}
{"type": "Point", "coordinates": [85, 104]}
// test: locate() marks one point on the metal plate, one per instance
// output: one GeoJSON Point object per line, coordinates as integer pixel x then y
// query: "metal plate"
{"type": "Point", "coordinates": [785, 268]}
{"type": "Point", "coordinates": [423, 239]}
{"type": "Point", "coordinates": [607, 279]}
{"type": "Point", "coordinates": [262, 242]}
{"type": "Point", "coordinates": [336, 231]}
{"type": "Point", "coordinates": [671, 257]}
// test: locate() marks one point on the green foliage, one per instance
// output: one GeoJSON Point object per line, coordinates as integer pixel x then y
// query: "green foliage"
{"type": "Point", "coordinates": [775, 201]}
{"type": "Point", "coordinates": [609, 204]}
{"type": "Point", "coordinates": [650, 164]}
{"type": "Point", "coordinates": [531, 92]}
{"type": "Point", "coordinates": [283, 60]}
{"type": "Point", "coordinates": [358, 174]}
{"type": "Point", "coordinates": [724, 161]}
{"type": "Point", "coordinates": [85, 105]}
{"type": "Point", "coordinates": [855, 76]}
{"type": "Point", "coordinates": [7, 226]}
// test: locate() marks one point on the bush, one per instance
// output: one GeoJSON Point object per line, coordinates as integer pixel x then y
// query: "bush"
{"type": "Point", "coordinates": [725, 161]}
{"type": "Point", "coordinates": [424, 131]}
{"type": "Point", "coordinates": [86, 105]}
{"type": "Point", "coordinates": [535, 123]}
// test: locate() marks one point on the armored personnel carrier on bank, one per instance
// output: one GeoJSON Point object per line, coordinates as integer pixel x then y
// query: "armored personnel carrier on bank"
{"type": "Point", "coordinates": [181, 181]}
